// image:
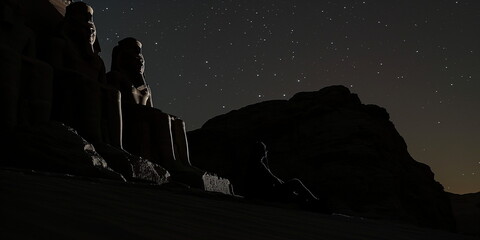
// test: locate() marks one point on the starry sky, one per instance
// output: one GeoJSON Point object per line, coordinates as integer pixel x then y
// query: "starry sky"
{"type": "Point", "coordinates": [418, 59]}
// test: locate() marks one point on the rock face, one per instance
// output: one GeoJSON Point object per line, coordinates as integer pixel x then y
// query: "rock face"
{"type": "Point", "coordinates": [466, 209]}
{"type": "Point", "coordinates": [340, 148]}
{"type": "Point", "coordinates": [54, 147]}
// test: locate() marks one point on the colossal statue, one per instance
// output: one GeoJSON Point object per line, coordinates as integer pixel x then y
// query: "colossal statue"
{"type": "Point", "coordinates": [147, 131]}
{"type": "Point", "coordinates": [82, 99]}
{"type": "Point", "coordinates": [25, 82]}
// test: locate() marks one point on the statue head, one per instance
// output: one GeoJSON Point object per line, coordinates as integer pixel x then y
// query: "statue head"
{"type": "Point", "coordinates": [259, 150]}
{"type": "Point", "coordinates": [127, 56]}
{"type": "Point", "coordinates": [79, 19]}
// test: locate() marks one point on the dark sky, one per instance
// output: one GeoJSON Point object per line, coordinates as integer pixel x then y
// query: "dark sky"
{"type": "Point", "coordinates": [418, 59]}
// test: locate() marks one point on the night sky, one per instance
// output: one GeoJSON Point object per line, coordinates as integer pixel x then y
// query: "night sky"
{"type": "Point", "coordinates": [418, 59]}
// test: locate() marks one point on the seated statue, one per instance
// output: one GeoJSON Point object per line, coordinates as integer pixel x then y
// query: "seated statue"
{"type": "Point", "coordinates": [147, 131]}
{"type": "Point", "coordinates": [25, 86]}
{"type": "Point", "coordinates": [263, 184]}
{"type": "Point", "coordinates": [63, 72]}
{"type": "Point", "coordinates": [82, 99]}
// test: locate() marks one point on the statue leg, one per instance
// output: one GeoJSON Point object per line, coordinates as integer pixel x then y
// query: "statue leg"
{"type": "Point", "coordinates": [162, 139]}
{"type": "Point", "coordinates": [147, 133]}
{"type": "Point", "coordinates": [111, 116]}
{"type": "Point", "coordinates": [297, 191]}
{"type": "Point", "coordinates": [180, 142]}
{"type": "Point", "coordinates": [150, 133]}
{"type": "Point", "coordinates": [183, 171]}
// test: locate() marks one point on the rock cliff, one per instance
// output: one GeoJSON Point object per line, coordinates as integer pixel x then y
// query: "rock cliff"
{"type": "Point", "coordinates": [342, 150]}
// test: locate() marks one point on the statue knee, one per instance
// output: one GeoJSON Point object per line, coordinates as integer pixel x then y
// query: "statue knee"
{"type": "Point", "coordinates": [111, 116]}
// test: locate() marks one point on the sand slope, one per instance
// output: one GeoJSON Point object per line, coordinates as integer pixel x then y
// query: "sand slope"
{"type": "Point", "coordinates": [39, 206]}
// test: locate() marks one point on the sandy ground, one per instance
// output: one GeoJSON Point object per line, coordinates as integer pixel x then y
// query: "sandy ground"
{"type": "Point", "coordinates": [40, 206]}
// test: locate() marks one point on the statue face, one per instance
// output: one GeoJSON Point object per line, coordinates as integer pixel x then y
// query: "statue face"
{"type": "Point", "coordinates": [88, 26]}
{"type": "Point", "coordinates": [132, 58]}
{"type": "Point", "coordinates": [92, 32]}
{"type": "Point", "coordinates": [81, 16]}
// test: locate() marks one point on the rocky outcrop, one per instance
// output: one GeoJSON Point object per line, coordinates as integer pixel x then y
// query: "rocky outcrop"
{"type": "Point", "coordinates": [56, 148]}
{"type": "Point", "coordinates": [340, 148]}
{"type": "Point", "coordinates": [132, 167]}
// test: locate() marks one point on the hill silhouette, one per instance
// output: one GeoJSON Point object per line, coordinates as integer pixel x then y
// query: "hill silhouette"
{"type": "Point", "coordinates": [343, 150]}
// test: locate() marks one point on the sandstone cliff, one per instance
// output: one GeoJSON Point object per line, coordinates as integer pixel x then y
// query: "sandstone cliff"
{"type": "Point", "coordinates": [343, 150]}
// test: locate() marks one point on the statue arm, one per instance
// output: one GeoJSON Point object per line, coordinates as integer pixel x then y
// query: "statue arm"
{"type": "Point", "coordinates": [149, 100]}
{"type": "Point", "coordinates": [276, 179]}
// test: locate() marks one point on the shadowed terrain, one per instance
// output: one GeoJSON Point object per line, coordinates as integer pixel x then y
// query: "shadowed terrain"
{"type": "Point", "coordinates": [466, 209]}
{"type": "Point", "coordinates": [40, 206]}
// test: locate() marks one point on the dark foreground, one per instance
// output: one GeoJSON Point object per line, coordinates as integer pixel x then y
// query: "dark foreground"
{"type": "Point", "coordinates": [40, 206]}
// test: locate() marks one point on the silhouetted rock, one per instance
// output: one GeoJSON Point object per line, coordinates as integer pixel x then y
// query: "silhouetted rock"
{"type": "Point", "coordinates": [132, 167]}
{"type": "Point", "coordinates": [54, 147]}
{"type": "Point", "coordinates": [146, 170]}
{"type": "Point", "coordinates": [466, 209]}
{"type": "Point", "coordinates": [340, 148]}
